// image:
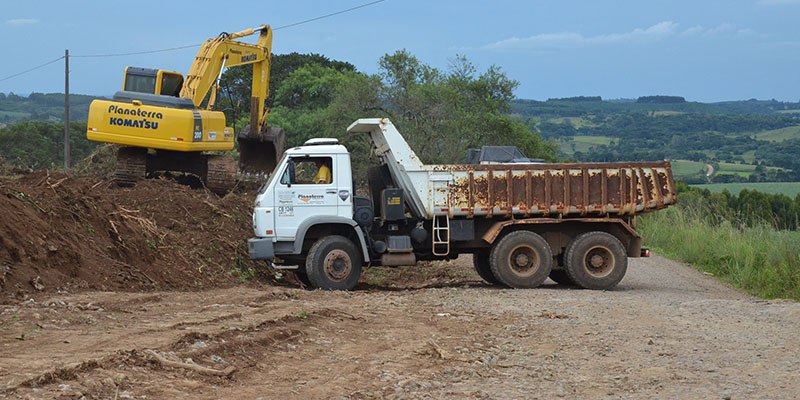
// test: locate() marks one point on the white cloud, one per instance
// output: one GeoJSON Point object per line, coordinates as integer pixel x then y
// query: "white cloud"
{"type": "Point", "coordinates": [659, 31]}
{"type": "Point", "coordinates": [777, 2]}
{"type": "Point", "coordinates": [22, 21]}
{"type": "Point", "coordinates": [700, 30]}
{"type": "Point", "coordinates": [572, 39]}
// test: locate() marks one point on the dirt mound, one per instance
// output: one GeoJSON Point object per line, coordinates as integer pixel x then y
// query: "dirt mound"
{"type": "Point", "coordinates": [59, 232]}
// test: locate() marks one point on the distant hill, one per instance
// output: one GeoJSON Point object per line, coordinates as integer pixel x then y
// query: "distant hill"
{"type": "Point", "coordinates": [42, 107]}
{"type": "Point", "coordinates": [746, 141]}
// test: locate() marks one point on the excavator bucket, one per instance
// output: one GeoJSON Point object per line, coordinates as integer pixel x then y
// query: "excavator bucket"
{"type": "Point", "coordinates": [259, 152]}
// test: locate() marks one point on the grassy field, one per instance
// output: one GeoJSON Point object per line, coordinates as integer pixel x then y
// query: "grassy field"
{"type": "Point", "coordinates": [576, 122]}
{"type": "Point", "coordinates": [779, 135]}
{"type": "Point", "coordinates": [760, 260]}
{"type": "Point", "coordinates": [666, 113]}
{"type": "Point", "coordinates": [790, 189]}
{"type": "Point", "coordinates": [687, 168]}
{"type": "Point", "coordinates": [583, 143]}
{"type": "Point", "coordinates": [13, 115]}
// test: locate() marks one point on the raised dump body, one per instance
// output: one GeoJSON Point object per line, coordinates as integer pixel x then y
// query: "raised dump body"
{"type": "Point", "coordinates": [505, 190]}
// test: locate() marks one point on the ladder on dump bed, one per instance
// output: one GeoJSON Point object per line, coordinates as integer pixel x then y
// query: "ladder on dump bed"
{"type": "Point", "coordinates": [441, 214]}
{"type": "Point", "coordinates": [441, 235]}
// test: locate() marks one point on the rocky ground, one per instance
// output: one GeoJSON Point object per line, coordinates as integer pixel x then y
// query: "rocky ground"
{"type": "Point", "coordinates": [667, 331]}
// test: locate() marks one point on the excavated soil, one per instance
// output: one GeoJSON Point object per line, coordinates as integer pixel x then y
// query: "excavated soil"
{"type": "Point", "coordinates": [115, 293]}
{"type": "Point", "coordinates": [62, 233]}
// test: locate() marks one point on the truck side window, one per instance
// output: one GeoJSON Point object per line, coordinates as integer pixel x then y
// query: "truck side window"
{"type": "Point", "coordinates": [308, 170]}
{"type": "Point", "coordinates": [288, 173]}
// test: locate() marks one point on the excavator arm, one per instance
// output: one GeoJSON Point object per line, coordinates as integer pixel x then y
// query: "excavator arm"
{"type": "Point", "coordinates": [260, 147]}
{"type": "Point", "coordinates": [222, 52]}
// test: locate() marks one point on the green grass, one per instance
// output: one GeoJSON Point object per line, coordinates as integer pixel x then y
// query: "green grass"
{"type": "Point", "coordinates": [576, 122]}
{"type": "Point", "coordinates": [687, 168]}
{"type": "Point", "coordinates": [666, 113]}
{"type": "Point", "coordinates": [749, 156]}
{"type": "Point", "coordinates": [584, 143]}
{"type": "Point", "coordinates": [790, 189]}
{"type": "Point", "coordinates": [779, 135]}
{"type": "Point", "coordinates": [14, 115]}
{"type": "Point", "coordinates": [760, 260]}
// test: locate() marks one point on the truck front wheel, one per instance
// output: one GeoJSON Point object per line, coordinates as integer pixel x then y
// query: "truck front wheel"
{"type": "Point", "coordinates": [596, 260]}
{"type": "Point", "coordinates": [333, 264]}
{"type": "Point", "coordinates": [521, 259]}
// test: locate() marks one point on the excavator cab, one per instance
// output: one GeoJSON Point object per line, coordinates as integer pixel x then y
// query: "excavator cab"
{"type": "Point", "coordinates": [154, 81]}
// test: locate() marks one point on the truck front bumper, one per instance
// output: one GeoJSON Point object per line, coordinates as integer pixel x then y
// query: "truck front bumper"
{"type": "Point", "coordinates": [261, 248]}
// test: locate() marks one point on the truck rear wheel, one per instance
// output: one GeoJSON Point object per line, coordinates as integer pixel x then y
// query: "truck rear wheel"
{"type": "Point", "coordinates": [482, 267]}
{"type": "Point", "coordinates": [521, 259]}
{"type": "Point", "coordinates": [333, 264]}
{"type": "Point", "coordinates": [561, 277]}
{"type": "Point", "coordinates": [596, 260]}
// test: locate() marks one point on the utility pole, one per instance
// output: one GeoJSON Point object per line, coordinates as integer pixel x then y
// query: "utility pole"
{"type": "Point", "coordinates": [66, 110]}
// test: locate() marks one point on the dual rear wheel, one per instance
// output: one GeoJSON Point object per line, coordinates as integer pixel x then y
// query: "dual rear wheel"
{"type": "Point", "coordinates": [523, 259]}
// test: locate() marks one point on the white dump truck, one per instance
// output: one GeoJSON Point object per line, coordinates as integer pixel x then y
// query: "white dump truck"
{"type": "Point", "coordinates": [521, 222]}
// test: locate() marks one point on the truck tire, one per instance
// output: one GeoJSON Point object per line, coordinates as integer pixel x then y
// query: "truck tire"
{"type": "Point", "coordinates": [596, 260]}
{"type": "Point", "coordinates": [482, 267]}
{"type": "Point", "coordinates": [333, 264]}
{"type": "Point", "coordinates": [302, 277]}
{"type": "Point", "coordinates": [561, 277]}
{"type": "Point", "coordinates": [521, 259]}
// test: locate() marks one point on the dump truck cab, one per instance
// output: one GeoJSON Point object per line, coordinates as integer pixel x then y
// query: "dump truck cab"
{"type": "Point", "coordinates": [297, 204]}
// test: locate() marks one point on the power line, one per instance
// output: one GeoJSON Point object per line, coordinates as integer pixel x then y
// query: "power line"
{"type": "Point", "coordinates": [31, 69]}
{"type": "Point", "coordinates": [328, 15]}
{"type": "Point", "coordinates": [198, 45]}
{"type": "Point", "coordinates": [135, 52]}
{"type": "Point", "coordinates": [187, 46]}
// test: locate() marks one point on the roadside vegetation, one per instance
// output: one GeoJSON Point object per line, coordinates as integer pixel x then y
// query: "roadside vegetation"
{"type": "Point", "coordinates": [743, 249]}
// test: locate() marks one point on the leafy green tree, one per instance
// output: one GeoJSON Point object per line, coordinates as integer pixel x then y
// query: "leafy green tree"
{"type": "Point", "coordinates": [236, 82]}
{"type": "Point", "coordinates": [442, 114]}
{"type": "Point", "coordinates": [38, 145]}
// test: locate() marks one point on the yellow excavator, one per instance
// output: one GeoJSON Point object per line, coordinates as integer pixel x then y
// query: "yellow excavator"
{"type": "Point", "coordinates": [165, 123]}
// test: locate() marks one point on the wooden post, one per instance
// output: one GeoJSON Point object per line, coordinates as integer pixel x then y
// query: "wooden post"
{"type": "Point", "coordinates": [66, 110]}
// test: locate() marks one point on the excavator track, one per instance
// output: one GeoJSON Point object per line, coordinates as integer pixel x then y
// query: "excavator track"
{"type": "Point", "coordinates": [131, 166]}
{"type": "Point", "coordinates": [221, 175]}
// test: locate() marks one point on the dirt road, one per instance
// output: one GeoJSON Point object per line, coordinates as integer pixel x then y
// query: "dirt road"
{"type": "Point", "coordinates": [665, 332]}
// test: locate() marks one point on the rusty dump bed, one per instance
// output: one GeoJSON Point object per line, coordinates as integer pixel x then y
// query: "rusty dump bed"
{"type": "Point", "coordinates": [567, 190]}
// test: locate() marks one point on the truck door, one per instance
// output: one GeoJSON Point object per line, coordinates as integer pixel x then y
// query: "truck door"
{"type": "Point", "coordinates": [345, 186]}
{"type": "Point", "coordinates": [308, 187]}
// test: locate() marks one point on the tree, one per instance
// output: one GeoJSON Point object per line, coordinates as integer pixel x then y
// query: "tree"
{"type": "Point", "coordinates": [236, 82]}
{"type": "Point", "coordinates": [442, 114]}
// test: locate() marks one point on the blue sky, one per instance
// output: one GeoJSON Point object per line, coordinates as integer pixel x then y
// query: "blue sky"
{"type": "Point", "coordinates": [704, 50]}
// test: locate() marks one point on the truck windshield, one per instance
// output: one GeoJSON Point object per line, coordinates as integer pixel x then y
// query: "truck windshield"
{"type": "Point", "coordinates": [272, 175]}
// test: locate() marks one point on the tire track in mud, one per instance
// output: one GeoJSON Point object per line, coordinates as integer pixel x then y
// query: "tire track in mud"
{"type": "Point", "coordinates": [243, 348]}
